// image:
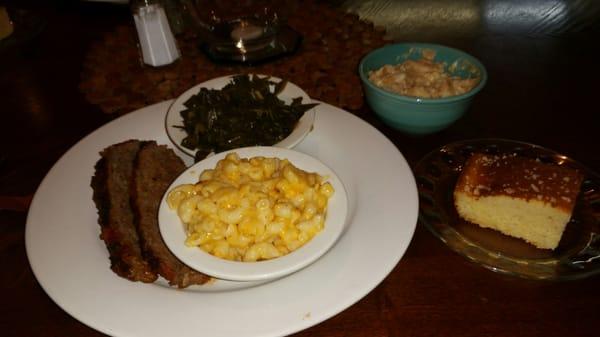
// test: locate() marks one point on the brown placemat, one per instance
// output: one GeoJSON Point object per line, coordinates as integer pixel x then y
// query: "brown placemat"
{"type": "Point", "coordinates": [325, 65]}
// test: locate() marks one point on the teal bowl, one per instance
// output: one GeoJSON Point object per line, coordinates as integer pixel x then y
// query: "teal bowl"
{"type": "Point", "coordinates": [420, 116]}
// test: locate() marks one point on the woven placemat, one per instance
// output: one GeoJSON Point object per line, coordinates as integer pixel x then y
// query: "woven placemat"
{"type": "Point", "coordinates": [325, 65]}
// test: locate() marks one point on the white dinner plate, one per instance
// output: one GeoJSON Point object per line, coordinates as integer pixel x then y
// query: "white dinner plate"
{"type": "Point", "coordinates": [71, 262]}
{"type": "Point", "coordinates": [291, 91]}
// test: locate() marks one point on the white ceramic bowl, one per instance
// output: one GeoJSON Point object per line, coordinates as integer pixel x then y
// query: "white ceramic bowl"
{"type": "Point", "coordinates": [173, 233]}
{"type": "Point", "coordinates": [173, 117]}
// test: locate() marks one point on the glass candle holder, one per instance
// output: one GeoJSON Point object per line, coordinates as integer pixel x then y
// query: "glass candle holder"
{"type": "Point", "coordinates": [247, 30]}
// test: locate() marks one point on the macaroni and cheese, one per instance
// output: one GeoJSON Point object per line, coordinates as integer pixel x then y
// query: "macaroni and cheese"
{"type": "Point", "coordinates": [422, 78]}
{"type": "Point", "coordinates": [252, 209]}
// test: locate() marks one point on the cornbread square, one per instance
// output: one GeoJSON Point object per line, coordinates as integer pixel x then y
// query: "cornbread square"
{"type": "Point", "coordinates": [520, 197]}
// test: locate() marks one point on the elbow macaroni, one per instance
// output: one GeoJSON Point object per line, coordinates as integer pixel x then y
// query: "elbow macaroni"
{"type": "Point", "coordinates": [252, 209]}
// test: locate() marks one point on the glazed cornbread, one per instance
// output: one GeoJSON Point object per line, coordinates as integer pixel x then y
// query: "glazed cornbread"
{"type": "Point", "coordinates": [517, 196]}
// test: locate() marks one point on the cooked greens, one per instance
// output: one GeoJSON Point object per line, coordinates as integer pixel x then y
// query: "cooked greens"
{"type": "Point", "coordinates": [245, 112]}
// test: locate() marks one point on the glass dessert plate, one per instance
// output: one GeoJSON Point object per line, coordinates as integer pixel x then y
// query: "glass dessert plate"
{"type": "Point", "coordinates": [578, 254]}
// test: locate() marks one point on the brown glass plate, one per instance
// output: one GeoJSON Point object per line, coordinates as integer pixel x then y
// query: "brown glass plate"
{"type": "Point", "coordinates": [578, 254]}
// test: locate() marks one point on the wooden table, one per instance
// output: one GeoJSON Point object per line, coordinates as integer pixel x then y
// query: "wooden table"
{"type": "Point", "coordinates": [542, 89]}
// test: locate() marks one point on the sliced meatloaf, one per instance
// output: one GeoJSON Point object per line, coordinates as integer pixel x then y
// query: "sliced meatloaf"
{"type": "Point", "coordinates": [111, 185]}
{"type": "Point", "coordinates": [155, 168]}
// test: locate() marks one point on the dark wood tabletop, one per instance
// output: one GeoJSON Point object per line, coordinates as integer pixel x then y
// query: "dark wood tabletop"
{"type": "Point", "coordinates": [543, 88]}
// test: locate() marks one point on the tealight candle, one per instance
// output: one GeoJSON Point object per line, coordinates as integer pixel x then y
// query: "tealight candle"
{"type": "Point", "coordinates": [246, 32]}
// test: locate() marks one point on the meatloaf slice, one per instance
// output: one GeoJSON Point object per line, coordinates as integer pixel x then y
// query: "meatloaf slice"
{"type": "Point", "coordinates": [156, 166]}
{"type": "Point", "coordinates": [111, 185]}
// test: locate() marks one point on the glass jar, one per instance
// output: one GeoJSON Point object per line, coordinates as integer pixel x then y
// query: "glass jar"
{"type": "Point", "coordinates": [156, 41]}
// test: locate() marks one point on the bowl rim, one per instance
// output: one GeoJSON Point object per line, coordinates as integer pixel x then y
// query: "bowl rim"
{"type": "Point", "coordinates": [418, 100]}
{"type": "Point", "coordinates": [173, 233]}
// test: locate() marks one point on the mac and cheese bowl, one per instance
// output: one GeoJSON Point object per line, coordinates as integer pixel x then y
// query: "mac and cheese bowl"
{"type": "Point", "coordinates": [254, 213]}
{"type": "Point", "coordinates": [440, 94]}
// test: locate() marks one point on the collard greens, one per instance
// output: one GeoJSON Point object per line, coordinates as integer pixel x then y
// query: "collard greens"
{"type": "Point", "coordinates": [245, 112]}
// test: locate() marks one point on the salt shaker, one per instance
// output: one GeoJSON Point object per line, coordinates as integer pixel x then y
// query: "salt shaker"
{"type": "Point", "coordinates": [156, 39]}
